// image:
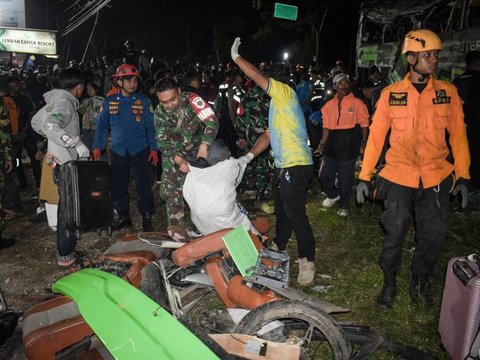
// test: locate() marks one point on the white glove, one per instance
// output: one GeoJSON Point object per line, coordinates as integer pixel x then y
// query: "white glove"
{"type": "Point", "coordinates": [362, 192]}
{"type": "Point", "coordinates": [234, 49]}
{"type": "Point", "coordinates": [82, 150]}
{"type": "Point", "coordinates": [246, 158]}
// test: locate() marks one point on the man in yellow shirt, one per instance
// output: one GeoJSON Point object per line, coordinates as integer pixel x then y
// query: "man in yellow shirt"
{"type": "Point", "coordinates": [287, 135]}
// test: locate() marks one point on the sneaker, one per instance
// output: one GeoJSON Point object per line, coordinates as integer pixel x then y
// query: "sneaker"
{"type": "Point", "coordinates": [306, 272]}
{"type": "Point", "coordinates": [342, 212]}
{"type": "Point", "coordinates": [329, 202]}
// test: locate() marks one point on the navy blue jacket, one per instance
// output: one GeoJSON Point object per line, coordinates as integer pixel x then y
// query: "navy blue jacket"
{"type": "Point", "coordinates": [130, 120]}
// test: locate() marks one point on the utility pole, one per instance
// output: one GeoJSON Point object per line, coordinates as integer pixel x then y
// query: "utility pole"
{"type": "Point", "coordinates": [317, 32]}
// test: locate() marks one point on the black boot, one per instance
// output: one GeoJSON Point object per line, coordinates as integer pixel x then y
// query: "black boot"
{"type": "Point", "coordinates": [387, 296]}
{"type": "Point", "coordinates": [420, 292]}
{"type": "Point", "coordinates": [122, 221]}
{"type": "Point", "coordinates": [147, 222]}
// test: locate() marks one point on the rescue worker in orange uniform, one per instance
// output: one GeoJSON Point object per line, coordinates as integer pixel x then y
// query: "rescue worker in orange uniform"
{"type": "Point", "coordinates": [417, 178]}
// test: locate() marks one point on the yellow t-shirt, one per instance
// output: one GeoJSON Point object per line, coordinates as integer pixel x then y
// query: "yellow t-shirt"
{"type": "Point", "coordinates": [288, 131]}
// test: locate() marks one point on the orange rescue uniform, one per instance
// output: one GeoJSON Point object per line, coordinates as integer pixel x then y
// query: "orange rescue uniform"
{"type": "Point", "coordinates": [418, 148]}
{"type": "Point", "coordinates": [352, 111]}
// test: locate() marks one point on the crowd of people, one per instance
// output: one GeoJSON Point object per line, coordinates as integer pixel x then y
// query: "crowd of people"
{"type": "Point", "coordinates": [141, 113]}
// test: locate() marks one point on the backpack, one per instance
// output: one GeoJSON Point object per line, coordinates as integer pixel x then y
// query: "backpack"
{"type": "Point", "coordinates": [39, 118]}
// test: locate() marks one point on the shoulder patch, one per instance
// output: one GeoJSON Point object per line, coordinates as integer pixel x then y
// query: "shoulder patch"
{"type": "Point", "coordinates": [398, 99]}
{"type": "Point", "coordinates": [200, 107]}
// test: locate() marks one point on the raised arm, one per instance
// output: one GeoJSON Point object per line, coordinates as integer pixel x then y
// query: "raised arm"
{"type": "Point", "coordinates": [247, 67]}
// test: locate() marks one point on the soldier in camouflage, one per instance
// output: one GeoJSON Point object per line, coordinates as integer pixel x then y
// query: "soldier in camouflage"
{"type": "Point", "coordinates": [251, 122]}
{"type": "Point", "coordinates": [6, 165]}
{"type": "Point", "coordinates": [185, 125]}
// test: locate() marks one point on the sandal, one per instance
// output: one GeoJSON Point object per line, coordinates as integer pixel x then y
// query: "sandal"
{"type": "Point", "coordinates": [75, 260]}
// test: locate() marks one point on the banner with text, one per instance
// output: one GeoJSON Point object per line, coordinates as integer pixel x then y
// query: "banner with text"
{"type": "Point", "coordinates": [28, 41]}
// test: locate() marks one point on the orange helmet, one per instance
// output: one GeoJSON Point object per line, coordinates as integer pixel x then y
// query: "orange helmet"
{"type": "Point", "coordinates": [126, 70]}
{"type": "Point", "coordinates": [421, 40]}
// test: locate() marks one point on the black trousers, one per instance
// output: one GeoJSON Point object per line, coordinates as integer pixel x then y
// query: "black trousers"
{"type": "Point", "coordinates": [345, 170]}
{"type": "Point", "coordinates": [140, 167]}
{"type": "Point", "coordinates": [290, 187]}
{"type": "Point", "coordinates": [429, 210]}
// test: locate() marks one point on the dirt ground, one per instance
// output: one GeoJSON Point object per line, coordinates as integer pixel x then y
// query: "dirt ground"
{"type": "Point", "coordinates": [29, 268]}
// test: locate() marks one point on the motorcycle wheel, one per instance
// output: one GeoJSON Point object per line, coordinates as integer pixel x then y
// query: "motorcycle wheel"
{"type": "Point", "coordinates": [295, 322]}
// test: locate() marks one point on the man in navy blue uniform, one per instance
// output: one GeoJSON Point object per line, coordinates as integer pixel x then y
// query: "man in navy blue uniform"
{"type": "Point", "coordinates": [129, 116]}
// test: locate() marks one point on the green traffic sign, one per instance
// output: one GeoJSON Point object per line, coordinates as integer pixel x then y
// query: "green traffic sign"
{"type": "Point", "coordinates": [284, 11]}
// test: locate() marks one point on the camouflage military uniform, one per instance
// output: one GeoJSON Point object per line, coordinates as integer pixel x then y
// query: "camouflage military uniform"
{"type": "Point", "coordinates": [179, 133]}
{"type": "Point", "coordinates": [250, 126]}
{"type": "Point", "coordinates": [6, 151]}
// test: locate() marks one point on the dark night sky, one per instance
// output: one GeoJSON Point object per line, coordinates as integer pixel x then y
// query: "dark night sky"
{"type": "Point", "coordinates": [164, 27]}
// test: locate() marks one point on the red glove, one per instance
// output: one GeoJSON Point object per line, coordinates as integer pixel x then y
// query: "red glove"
{"type": "Point", "coordinates": [97, 153]}
{"type": "Point", "coordinates": [153, 158]}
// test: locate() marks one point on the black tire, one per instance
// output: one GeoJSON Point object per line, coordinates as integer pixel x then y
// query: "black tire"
{"type": "Point", "coordinates": [320, 335]}
{"type": "Point", "coordinates": [153, 286]}
{"type": "Point", "coordinates": [176, 279]}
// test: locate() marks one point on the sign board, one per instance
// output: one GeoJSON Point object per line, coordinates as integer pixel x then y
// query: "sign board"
{"type": "Point", "coordinates": [28, 41]}
{"type": "Point", "coordinates": [284, 11]}
{"type": "Point", "coordinates": [12, 13]}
